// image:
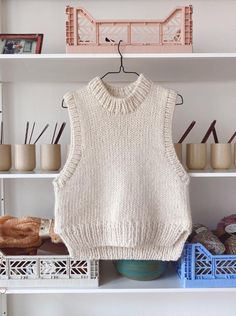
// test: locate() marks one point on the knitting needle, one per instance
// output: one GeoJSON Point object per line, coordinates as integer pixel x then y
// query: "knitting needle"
{"type": "Point", "coordinates": [205, 138]}
{"type": "Point", "coordinates": [54, 132]}
{"type": "Point", "coordinates": [187, 132]}
{"type": "Point", "coordinates": [1, 132]}
{"type": "Point", "coordinates": [231, 139]}
{"type": "Point", "coordinates": [60, 132]}
{"type": "Point", "coordinates": [26, 132]}
{"type": "Point", "coordinates": [41, 133]}
{"type": "Point", "coordinates": [215, 135]}
{"type": "Point", "coordinates": [31, 133]}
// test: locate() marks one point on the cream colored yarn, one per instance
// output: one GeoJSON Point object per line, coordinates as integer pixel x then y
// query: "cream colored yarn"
{"type": "Point", "coordinates": [122, 194]}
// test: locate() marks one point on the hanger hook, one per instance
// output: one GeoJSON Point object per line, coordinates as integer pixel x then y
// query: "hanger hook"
{"type": "Point", "coordinates": [182, 99]}
{"type": "Point", "coordinates": [63, 105]}
{"type": "Point", "coordinates": [121, 56]}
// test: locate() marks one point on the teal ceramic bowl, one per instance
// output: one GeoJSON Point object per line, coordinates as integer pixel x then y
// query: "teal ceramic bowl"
{"type": "Point", "coordinates": [142, 270]}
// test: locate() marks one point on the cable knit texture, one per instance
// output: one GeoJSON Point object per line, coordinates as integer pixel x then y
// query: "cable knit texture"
{"type": "Point", "coordinates": [122, 194]}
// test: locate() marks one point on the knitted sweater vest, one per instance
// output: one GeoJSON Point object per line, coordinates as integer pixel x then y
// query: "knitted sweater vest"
{"type": "Point", "coordinates": [122, 193]}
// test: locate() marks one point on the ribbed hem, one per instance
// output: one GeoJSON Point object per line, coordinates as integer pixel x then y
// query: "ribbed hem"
{"type": "Point", "coordinates": [117, 99]}
{"type": "Point", "coordinates": [125, 241]}
{"type": "Point", "coordinates": [169, 146]}
{"type": "Point", "coordinates": [166, 253]}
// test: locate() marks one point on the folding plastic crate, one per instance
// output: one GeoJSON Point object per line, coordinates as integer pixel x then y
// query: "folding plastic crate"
{"type": "Point", "coordinates": [85, 34]}
{"type": "Point", "coordinates": [197, 267]}
{"type": "Point", "coordinates": [47, 271]}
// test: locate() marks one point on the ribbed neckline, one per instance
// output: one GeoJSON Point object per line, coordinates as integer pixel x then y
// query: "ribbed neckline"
{"type": "Point", "coordinates": [120, 99]}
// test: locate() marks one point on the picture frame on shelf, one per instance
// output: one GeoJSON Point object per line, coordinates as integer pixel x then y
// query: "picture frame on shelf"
{"type": "Point", "coordinates": [21, 43]}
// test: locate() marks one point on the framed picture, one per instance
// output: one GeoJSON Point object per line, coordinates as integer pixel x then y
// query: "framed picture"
{"type": "Point", "coordinates": [21, 43]}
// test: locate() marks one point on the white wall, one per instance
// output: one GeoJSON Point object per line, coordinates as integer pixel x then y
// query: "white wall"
{"type": "Point", "coordinates": [214, 20]}
{"type": "Point", "coordinates": [214, 30]}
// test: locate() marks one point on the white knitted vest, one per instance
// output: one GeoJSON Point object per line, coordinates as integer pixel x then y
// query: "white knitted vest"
{"type": "Point", "coordinates": [122, 194]}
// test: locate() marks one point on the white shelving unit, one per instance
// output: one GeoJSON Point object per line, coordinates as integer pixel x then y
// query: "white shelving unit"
{"type": "Point", "coordinates": [159, 67]}
{"type": "Point", "coordinates": [123, 285]}
{"type": "Point", "coordinates": [37, 174]}
{"type": "Point", "coordinates": [212, 173]}
{"type": "Point", "coordinates": [112, 283]}
{"type": "Point", "coordinates": [59, 68]}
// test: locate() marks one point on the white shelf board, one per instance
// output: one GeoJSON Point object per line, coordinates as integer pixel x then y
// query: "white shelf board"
{"type": "Point", "coordinates": [103, 290]}
{"type": "Point", "coordinates": [27, 175]}
{"type": "Point", "coordinates": [37, 174]}
{"type": "Point", "coordinates": [83, 67]}
{"type": "Point", "coordinates": [113, 283]}
{"type": "Point", "coordinates": [213, 173]}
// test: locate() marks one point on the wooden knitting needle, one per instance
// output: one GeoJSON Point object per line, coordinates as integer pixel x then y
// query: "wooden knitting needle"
{"type": "Point", "coordinates": [31, 133]}
{"type": "Point", "coordinates": [1, 132]}
{"type": "Point", "coordinates": [215, 135]}
{"type": "Point", "coordinates": [26, 132]}
{"type": "Point", "coordinates": [205, 138]}
{"type": "Point", "coordinates": [54, 132]}
{"type": "Point", "coordinates": [231, 138]}
{"type": "Point", "coordinates": [41, 133]}
{"type": "Point", "coordinates": [60, 132]}
{"type": "Point", "coordinates": [187, 132]}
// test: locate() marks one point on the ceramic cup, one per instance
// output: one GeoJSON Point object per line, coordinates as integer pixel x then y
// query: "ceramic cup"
{"type": "Point", "coordinates": [5, 157]}
{"type": "Point", "coordinates": [221, 156]}
{"type": "Point", "coordinates": [50, 157]}
{"type": "Point", "coordinates": [196, 156]}
{"type": "Point", "coordinates": [178, 150]}
{"type": "Point", "coordinates": [25, 157]}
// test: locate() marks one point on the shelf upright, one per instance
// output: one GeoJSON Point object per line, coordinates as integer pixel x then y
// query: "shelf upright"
{"type": "Point", "coordinates": [2, 180]}
{"type": "Point", "coordinates": [3, 296]}
{"type": "Point", "coordinates": [1, 119]}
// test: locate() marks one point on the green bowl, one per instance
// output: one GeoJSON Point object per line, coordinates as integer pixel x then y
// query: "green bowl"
{"type": "Point", "coordinates": [141, 270]}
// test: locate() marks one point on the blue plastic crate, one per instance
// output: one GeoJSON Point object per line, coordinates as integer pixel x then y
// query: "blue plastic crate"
{"type": "Point", "coordinates": [197, 267]}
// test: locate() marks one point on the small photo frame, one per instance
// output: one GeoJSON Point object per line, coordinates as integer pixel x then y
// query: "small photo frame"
{"type": "Point", "coordinates": [21, 43]}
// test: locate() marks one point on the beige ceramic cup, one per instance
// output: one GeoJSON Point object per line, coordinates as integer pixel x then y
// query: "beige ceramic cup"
{"type": "Point", "coordinates": [221, 156]}
{"type": "Point", "coordinates": [50, 157]}
{"type": "Point", "coordinates": [5, 157]}
{"type": "Point", "coordinates": [196, 156]}
{"type": "Point", "coordinates": [178, 150]}
{"type": "Point", "coordinates": [25, 157]}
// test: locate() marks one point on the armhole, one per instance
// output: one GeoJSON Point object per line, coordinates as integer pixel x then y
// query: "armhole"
{"type": "Point", "coordinates": [75, 153]}
{"type": "Point", "coordinates": [168, 141]}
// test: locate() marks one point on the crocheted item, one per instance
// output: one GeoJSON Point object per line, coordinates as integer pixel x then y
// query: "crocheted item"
{"type": "Point", "coordinates": [207, 238]}
{"type": "Point", "coordinates": [19, 233]}
{"type": "Point", "coordinates": [26, 232]}
{"type": "Point", "coordinates": [226, 231]}
{"type": "Point", "coordinates": [122, 194]}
